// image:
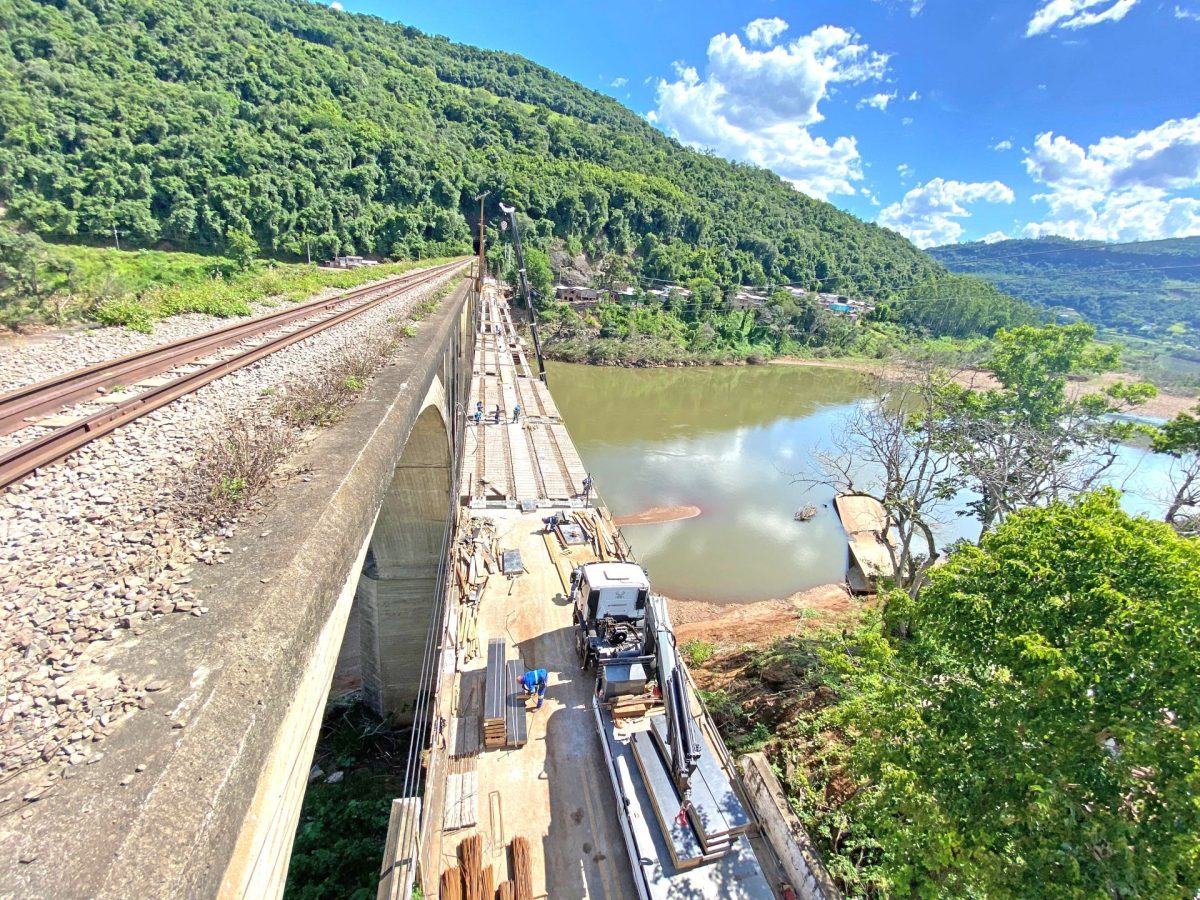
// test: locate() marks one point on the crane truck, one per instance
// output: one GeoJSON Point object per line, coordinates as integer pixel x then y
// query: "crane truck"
{"type": "Point", "coordinates": [685, 825]}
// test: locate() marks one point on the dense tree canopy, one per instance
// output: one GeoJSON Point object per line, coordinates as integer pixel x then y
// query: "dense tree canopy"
{"type": "Point", "coordinates": [299, 126]}
{"type": "Point", "coordinates": [1147, 287]}
{"type": "Point", "coordinates": [1037, 735]}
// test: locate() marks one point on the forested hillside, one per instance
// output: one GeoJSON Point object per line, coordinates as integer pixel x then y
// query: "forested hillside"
{"type": "Point", "coordinates": [1151, 287]}
{"type": "Point", "coordinates": [192, 125]}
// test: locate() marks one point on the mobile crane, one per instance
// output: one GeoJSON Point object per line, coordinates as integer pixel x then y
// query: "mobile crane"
{"type": "Point", "coordinates": [684, 823]}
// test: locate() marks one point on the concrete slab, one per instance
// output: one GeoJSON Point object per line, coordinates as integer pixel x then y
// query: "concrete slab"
{"type": "Point", "coordinates": [554, 791]}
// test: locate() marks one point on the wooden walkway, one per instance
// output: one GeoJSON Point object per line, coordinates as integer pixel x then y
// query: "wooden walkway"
{"type": "Point", "coordinates": [507, 462]}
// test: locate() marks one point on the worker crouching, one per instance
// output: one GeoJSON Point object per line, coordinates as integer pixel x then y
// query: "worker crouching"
{"type": "Point", "coordinates": [534, 682]}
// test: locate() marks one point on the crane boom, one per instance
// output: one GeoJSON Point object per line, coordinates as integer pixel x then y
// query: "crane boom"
{"type": "Point", "coordinates": [683, 737]}
{"type": "Point", "coordinates": [511, 212]}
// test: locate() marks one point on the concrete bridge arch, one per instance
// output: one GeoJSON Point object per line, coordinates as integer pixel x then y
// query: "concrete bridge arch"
{"type": "Point", "coordinates": [398, 585]}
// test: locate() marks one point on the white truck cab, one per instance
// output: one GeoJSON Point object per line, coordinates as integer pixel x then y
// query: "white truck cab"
{"type": "Point", "coordinates": [610, 591]}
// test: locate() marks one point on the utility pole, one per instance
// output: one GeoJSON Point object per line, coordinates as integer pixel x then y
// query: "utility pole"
{"type": "Point", "coordinates": [308, 252]}
{"type": "Point", "coordinates": [116, 243]}
{"type": "Point", "coordinates": [479, 268]}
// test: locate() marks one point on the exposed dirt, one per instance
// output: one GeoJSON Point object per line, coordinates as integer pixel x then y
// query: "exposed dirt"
{"type": "Point", "coordinates": [1164, 406]}
{"type": "Point", "coordinates": [762, 622]}
{"type": "Point", "coordinates": [658, 514]}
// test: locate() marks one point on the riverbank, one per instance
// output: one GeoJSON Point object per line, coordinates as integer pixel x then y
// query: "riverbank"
{"type": "Point", "coordinates": [1162, 406]}
{"type": "Point", "coordinates": [763, 621]}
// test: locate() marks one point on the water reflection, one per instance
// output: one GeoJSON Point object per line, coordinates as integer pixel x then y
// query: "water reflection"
{"type": "Point", "coordinates": [728, 440]}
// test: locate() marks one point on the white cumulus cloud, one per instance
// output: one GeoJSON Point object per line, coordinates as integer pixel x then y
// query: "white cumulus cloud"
{"type": "Point", "coordinates": [994, 237]}
{"type": "Point", "coordinates": [765, 31]}
{"type": "Point", "coordinates": [928, 213]}
{"type": "Point", "coordinates": [335, 5]}
{"type": "Point", "coordinates": [756, 105]}
{"type": "Point", "coordinates": [877, 101]}
{"type": "Point", "coordinates": [1119, 188]}
{"type": "Point", "coordinates": [1001, 146]}
{"type": "Point", "coordinates": [1074, 14]}
{"type": "Point", "coordinates": [620, 82]}
{"type": "Point", "coordinates": [905, 170]}
{"type": "Point", "coordinates": [1184, 13]}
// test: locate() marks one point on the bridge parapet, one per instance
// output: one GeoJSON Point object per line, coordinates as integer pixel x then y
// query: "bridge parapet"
{"type": "Point", "coordinates": [203, 800]}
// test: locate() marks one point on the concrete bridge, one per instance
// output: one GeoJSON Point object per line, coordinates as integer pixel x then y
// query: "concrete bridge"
{"type": "Point", "coordinates": [200, 796]}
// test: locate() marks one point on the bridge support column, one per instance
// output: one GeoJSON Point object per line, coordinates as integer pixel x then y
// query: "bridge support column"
{"type": "Point", "coordinates": [396, 592]}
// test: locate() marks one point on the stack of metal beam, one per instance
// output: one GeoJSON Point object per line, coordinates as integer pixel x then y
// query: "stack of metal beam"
{"type": "Point", "coordinates": [495, 730]}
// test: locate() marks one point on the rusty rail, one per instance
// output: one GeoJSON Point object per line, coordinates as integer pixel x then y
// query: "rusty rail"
{"type": "Point", "coordinates": [72, 387]}
{"type": "Point", "coordinates": [22, 460]}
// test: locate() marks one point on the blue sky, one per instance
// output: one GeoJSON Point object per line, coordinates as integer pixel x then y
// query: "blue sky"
{"type": "Point", "coordinates": [948, 120]}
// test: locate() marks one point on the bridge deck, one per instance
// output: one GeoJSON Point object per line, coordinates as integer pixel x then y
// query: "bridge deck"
{"type": "Point", "coordinates": [554, 790]}
{"type": "Point", "coordinates": [509, 462]}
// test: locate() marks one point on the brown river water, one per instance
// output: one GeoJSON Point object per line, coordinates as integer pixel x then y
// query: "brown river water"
{"type": "Point", "coordinates": [728, 440]}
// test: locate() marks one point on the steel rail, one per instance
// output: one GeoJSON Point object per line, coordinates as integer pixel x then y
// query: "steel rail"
{"type": "Point", "coordinates": [22, 460]}
{"type": "Point", "coordinates": [71, 387]}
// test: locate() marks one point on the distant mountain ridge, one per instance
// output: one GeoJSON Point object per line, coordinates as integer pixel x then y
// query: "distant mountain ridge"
{"type": "Point", "coordinates": [1145, 287]}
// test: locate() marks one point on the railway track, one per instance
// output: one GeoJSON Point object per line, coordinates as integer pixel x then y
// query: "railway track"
{"type": "Point", "coordinates": [18, 406]}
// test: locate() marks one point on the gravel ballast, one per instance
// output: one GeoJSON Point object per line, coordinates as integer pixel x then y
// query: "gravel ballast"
{"type": "Point", "coordinates": [94, 549]}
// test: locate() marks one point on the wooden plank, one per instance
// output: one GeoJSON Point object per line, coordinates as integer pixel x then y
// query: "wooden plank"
{"type": "Point", "coordinates": [467, 736]}
{"type": "Point", "coordinates": [570, 457]}
{"type": "Point", "coordinates": [524, 481]}
{"type": "Point", "coordinates": [461, 810]}
{"type": "Point", "coordinates": [399, 868]}
{"type": "Point", "coordinates": [549, 463]}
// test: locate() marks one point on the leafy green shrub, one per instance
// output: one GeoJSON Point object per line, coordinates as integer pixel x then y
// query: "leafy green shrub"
{"type": "Point", "coordinates": [698, 652]}
{"type": "Point", "coordinates": [126, 311]}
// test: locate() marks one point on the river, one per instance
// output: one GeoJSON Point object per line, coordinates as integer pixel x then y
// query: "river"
{"type": "Point", "coordinates": [729, 440]}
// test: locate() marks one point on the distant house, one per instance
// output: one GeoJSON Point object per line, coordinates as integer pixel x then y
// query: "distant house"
{"type": "Point", "coordinates": [624, 295]}
{"type": "Point", "coordinates": [577, 296]}
{"type": "Point", "coordinates": [664, 293]}
{"type": "Point", "coordinates": [748, 300]}
{"type": "Point", "coordinates": [351, 262]}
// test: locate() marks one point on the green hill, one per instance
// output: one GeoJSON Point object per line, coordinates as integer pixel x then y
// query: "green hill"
{"type": "Point", "coordinates": [188, 125]}
{"type": "Point", "coordinates": [1148, 288]}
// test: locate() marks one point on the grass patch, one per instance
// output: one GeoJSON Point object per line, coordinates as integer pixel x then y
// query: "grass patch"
{"type": "Point", "coordinates": [49, 283]}
{"type": "Point", "coordinates": [235, 295]}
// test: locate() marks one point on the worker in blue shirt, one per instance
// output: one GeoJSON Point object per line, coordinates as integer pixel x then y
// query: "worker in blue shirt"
{"type": "Point", "coordinates": [534, 682]}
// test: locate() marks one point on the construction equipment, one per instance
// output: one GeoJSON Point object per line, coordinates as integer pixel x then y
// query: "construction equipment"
{"type": "Point", "coordinates": [664, 766]}
{"type": "Point", "coordinates": [526, 293]}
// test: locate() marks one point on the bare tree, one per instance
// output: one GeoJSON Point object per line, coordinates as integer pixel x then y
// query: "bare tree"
{"type": "Point", "coordinates": [1011, 463]}
{"type": "Point", "coordinates": [887, 449]}
{"type": "Point", "coordinates": [1180, 438]}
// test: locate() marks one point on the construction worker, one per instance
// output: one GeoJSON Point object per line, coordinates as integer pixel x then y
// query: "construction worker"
{"type": "Point", "coordinates": [516, 412]}
{"type": "Point", "coordinates": [587, 488]}
{"type": "Point", "coordinates": [478, 416]}
{"type": "Point", "coordinates": [499, 414]}
{"type": "Point", "coordinates": [534, 682]}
